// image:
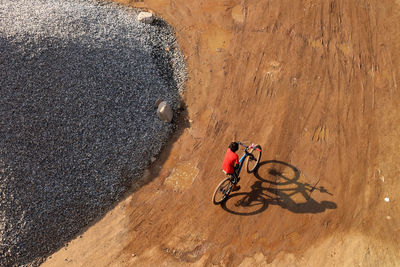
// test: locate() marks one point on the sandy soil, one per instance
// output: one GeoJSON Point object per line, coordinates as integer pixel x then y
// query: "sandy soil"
{"type": "Point", "coordinates": [316, 84]}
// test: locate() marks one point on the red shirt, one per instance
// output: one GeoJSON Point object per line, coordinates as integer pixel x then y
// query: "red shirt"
{"type": "Point", "coordinates": [231, 159]}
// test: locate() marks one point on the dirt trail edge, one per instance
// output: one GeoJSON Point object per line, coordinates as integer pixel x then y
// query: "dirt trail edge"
{"type": "Point", "coordinates": [316, 84]}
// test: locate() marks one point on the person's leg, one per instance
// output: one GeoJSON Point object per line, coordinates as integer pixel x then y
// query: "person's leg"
{"type": "Point", "coordinates": [235, 175]}
{"type": "Point", "coordinates": [236, 179]}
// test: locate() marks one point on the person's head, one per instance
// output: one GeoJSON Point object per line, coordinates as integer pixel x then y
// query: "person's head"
{"type": "Point", "coordinates": [234, 146]}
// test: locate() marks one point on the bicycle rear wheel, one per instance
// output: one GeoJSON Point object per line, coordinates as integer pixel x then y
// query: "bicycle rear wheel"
{"type": "Point", "coordinates": [254, 158]}
{"type": "Point", "coordinates": [222, 191]}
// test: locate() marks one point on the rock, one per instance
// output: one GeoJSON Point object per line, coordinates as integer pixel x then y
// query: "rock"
{"type": "Point", "coordinates": [153, 159]}
{"type": "Point", "coordinates": [145, 17]}
{"type": "Point", "coordinates": [164, 112]}
{"type": "Point", "coordinates": [157, 103]}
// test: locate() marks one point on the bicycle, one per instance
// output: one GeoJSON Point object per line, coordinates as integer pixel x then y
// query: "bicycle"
{"type": "Point", "coordinates": [253, 155]}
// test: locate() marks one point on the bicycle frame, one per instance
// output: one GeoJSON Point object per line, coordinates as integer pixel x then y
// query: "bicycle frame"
{"type": "Point", "coordinates": [241, 162]}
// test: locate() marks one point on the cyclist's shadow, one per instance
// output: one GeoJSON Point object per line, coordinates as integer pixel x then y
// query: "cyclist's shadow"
{"type": "Point", "coordinates": [278, 184]}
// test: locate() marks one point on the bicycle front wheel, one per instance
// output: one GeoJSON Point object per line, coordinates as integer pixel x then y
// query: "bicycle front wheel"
{"type": "Point", "coordinates": [254, 158]}
{"type": "Point", "coordinates": [222, 191]}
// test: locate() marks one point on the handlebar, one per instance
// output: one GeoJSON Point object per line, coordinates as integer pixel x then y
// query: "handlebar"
{"type": "Point", "coordinates": [257, 147]}
{"type": "Point", "coordinates": [246, 147]}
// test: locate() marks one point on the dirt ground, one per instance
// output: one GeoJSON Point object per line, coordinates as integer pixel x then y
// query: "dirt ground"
{"type": "Point", "coordinates": [316, 84]}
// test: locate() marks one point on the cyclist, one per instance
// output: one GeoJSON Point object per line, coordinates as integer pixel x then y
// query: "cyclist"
{"type": "Point", "coordinates": [231, 163]}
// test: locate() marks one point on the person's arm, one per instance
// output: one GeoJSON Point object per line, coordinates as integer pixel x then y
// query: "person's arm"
{"type": "Point", "coordinates": [236, 162]}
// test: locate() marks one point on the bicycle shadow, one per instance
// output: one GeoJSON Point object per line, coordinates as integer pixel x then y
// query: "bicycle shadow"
{"type": "Point", "coordinates": [278, 185]}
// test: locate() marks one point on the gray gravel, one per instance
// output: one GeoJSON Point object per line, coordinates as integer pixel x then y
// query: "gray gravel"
{"type": "Point", "coordinates": [78, 82]}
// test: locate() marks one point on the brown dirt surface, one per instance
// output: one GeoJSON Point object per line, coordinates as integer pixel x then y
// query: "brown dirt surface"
{"type": "Point", "coordinates": [316, 84]}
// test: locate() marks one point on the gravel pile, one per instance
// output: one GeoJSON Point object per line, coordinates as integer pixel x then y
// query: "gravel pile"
{"type": "Point", "coordinates": [78, 82]}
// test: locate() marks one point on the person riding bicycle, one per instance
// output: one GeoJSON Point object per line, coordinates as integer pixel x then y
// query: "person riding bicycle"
{"type": "Point", "coordinates": [231, 163]}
